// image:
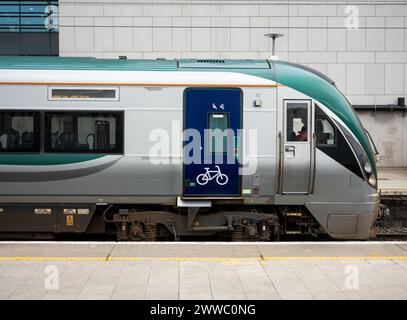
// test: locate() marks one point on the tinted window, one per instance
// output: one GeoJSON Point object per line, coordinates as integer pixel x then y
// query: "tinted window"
{"type": "Point", "coordinates": [218, 125]}
{"type": "Point", "coordinates": [83, 93]}
{"type": "Point", "coordinates": [340, 151]}
{"type": "Point", "coordinates": [357, 148]}
{"type": "Point", "coordinates": [325, 131]}
{"type": "Point", "coordinates": [297, 121]}
{"type": "Point", "coordinates": [86, 132]}
{"type": "Point", "coordinates": [19, 132]}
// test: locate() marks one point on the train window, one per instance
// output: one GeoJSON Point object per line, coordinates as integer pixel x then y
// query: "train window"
{"type": "Point", "coordinates": [297, 121]}
{"type": "Point", "coordinates": [19, 131]}
{"type": "Point", "coordinates": [84, 94]}
{"type": "Point", "coordinates": [325, 131]}
{"type": "Point", "coordinates": [339, 150]}
{"type": "Point", "coordinates": [88, 132]}
{"type": "Point", "coordinates": [218, 123]}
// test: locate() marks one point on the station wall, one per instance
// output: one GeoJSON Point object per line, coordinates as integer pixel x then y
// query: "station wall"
{"type": "Point", "coordinates": [361, 45]}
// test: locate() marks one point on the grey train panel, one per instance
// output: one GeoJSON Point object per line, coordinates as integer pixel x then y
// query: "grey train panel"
{"type": "Point", "coordinates": [128, 176]}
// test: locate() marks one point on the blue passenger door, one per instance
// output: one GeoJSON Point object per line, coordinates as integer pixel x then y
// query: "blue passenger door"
{"type": "Point", "coordinates": [212, 119]}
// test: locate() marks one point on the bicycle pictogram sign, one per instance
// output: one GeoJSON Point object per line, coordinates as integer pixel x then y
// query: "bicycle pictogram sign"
{"type": "Point", "coordinates": [210, 175]}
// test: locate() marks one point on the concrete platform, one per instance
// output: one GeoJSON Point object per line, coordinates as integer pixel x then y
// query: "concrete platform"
{"type": "Point", "coordinates": [206, 270]}
{"type": "Point", "coordinates": [392, 181]}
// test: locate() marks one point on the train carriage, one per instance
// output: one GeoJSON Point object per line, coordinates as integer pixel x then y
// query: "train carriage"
{"type": "Point", "coordinates": [161, 149]}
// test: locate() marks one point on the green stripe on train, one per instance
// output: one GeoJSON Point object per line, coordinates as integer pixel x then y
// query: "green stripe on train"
{"type": "Point", "coordinates": [45, 159]}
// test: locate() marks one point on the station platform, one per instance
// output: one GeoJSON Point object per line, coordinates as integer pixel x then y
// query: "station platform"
{"type": "Point", "coordinates": [203, 270]}
{"type": "Point", "coordinates": [392, 181]}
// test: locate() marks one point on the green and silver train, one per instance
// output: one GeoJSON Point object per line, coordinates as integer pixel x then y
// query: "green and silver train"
{"type": "Point", "coordinates": [163, 149]}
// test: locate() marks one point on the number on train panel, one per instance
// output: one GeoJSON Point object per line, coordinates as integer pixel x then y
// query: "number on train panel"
{"type": "Point", "coordinates": [212, 142]}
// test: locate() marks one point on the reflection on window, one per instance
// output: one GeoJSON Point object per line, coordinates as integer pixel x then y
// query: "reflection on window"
{"type": "Point", "coordinates": [325, 132]}
{"type": "Point", "coordinates": [297, 121]}
{"type": "Point", "coordinates": [19, 132]}
{"type": "Point", "coordinates": [29, 16]}
{"type": "Point", "coordinates": [84, 132]}
{"type": "Point", "coordinates": [83, 94]}
{"type": "Point", "coordinates": [218, 125]}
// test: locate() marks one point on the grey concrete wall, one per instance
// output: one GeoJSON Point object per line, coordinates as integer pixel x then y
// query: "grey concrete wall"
{"type": "Point", "coordinates": [389, 132]}
{"type": "Point", "coordinates": [368, 63]}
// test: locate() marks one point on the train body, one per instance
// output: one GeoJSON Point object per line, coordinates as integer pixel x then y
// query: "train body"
{"type": "Point", "coordinates": [154, 149]}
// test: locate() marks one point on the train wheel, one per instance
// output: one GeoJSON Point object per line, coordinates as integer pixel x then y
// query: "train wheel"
{"type": "Point", "coordinates": [136, 232]}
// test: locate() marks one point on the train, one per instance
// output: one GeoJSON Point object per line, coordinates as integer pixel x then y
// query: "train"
{"type": "Point", "coordinates": [146, 150]}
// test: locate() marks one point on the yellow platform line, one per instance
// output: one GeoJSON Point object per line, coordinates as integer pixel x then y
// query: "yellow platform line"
{"type": "Point", "coordinates": [52, 258]}
{"type": "Point", "coordinates": [278, 258]}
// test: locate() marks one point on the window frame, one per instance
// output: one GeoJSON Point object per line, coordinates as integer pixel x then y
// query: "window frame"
{"type": "Point", "coordinates": [211, 136]}
{"type": "Point", "coordinates": [342, 151]}
{"type": "Point", "coordinates": [325, 117]}
{"type": "Point", "coordinates": [52, 98]}
{"type": "Point", "coordinates": [309, 115]}
{"type": "Point", "coordinates": [37, 123]}
{"type": "Point", "coordinates": [119, 131]}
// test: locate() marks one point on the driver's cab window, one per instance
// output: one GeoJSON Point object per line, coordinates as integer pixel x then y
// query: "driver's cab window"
{"type": "Point", "coordinates": [325, 131]}
{"type": "Point", "coordinates": [297, 121]}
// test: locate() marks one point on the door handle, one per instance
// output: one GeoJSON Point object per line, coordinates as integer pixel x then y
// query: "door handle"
{"type": "Point", "coordinates": [289, 151]}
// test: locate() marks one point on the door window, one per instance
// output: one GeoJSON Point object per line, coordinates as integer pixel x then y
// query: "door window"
{"type": "Point", "coordinates": [297, 121]}
{"type": "Point", "coordinates": [218, 125]}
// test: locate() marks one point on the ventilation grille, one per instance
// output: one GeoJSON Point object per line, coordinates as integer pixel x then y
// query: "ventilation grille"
{"type": "Point", "coordinates": [223, 64]}
{"type": "Point", "coordinates": [210, 61]}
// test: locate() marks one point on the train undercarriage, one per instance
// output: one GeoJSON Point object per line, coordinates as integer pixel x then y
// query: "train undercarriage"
{"type": "Point", "coordinates": [229, 224]}
{"type": "Point", "coordinates": [156, 223]}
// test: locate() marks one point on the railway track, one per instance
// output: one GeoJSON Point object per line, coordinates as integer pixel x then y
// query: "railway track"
{"type": "Point", "coordinates": [391, 233]}
{"type": "Point", "coordinates": [393, 226]}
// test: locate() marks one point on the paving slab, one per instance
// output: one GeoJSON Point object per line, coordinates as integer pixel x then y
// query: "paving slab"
{"type": "Point", "coordinates": [55, 249]}
{"type": "Point", "coordinates": [328, 249]}
{"type": "Point", "coordinates": [195, 296]}
{"type": "Point", "coordinates": [402, 246]}
{"type": "Point", "coordinates": [229, 296]}
{"type": "Point", "coordinates": [205, 270]}
{"type": "Point", "coordinates": [263, 296]}
{"type": "Point", "coordinates": [194, 279]}
{"type": "Point", "coordinates": [163, 280]}
{"type": "Point", "coordinates": [255, 280]}
{"type": "Point", "coordinates": [180, 250]}
{"type": "Point", "coordinates": [392, 181]}
{"type": "Point", "coordinates": [225, 281]}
